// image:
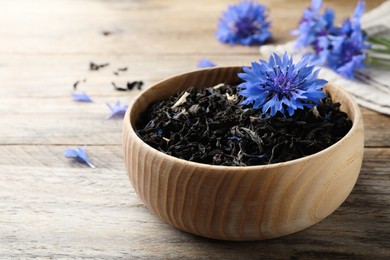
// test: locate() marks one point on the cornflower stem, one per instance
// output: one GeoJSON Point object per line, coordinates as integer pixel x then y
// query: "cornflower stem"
{"type": "Point", "coordinates": [379, 62]}
{"type": "Point", "coordinates": [369, 80]}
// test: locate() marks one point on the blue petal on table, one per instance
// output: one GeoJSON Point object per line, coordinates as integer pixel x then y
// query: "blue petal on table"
{"type": "Point", "coordinates": [117, 110]}
{"type": "Point", "coordinates": [205, 63]}
{"type": "Point", "coordinates": [81, 97]}
{"type": "Point", "coordinates": [79, 154]}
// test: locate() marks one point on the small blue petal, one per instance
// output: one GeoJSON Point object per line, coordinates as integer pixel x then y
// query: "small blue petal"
{"type": "Point", "coordinates": [81, 97]}
{"type": "Point", "coordinates": [359, 10]}
{"type": "Point", "coordinates": [316, 4]}
{"type": "Point", "coordinates": [79, 154]}
{"type": "Point", "coordinates": [117, 110]}
{"type": "Point", "coordinates": [235, 138]}
{"type": "Point", "coordinates": [205, 63]}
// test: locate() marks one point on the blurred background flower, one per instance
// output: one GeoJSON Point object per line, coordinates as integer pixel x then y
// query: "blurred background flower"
{"type": "Point", "coordinates": [244, 24]}
{"type": "Point", "coordinates": [345, 49]}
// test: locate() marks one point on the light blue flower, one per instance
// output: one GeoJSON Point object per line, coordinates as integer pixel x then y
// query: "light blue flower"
{"type": "Point", "coordinates": [205, 63]}
{"type": "Point", "coordinates": [345, 50]}
{"type": "Point", "coordinates": [79, 154]}
{"type": "Point", "coordinates": [244, 23]}
{"type": "Point", "coordinates": [280, 85]}
{"type": "Point", "coordinates": [81, 97]}
{"type": "Point", "coordinates": [313, 25]}
{"type": "Point", "coordinates": [117, 110]}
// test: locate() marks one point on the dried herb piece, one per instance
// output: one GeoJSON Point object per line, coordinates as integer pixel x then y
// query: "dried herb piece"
{"type": "Point", "coordinates": [137, 84]}
{"type": "Point", "coordinates": [211, 126]}
{"type": "Point", "coordinates": [106, 33]}
{"type": "Point", "coordinates": [77, 83]}
{"type": "Point", "coordinates": [116, 73]}
{"type": "Point", "coordinates": [118, 88]}
{"type": "Point", "coordinates": [93, 66]}
{"type": "Point", "coordinates": [129, 86]}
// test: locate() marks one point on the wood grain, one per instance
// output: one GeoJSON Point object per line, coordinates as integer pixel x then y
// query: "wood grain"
{"type": "Point", "coordinates": [240, 203]}
{"type": "Point", "coordinates": [147, 27]}
{"type": "Point", "coordinates": [42, 92]}
{"type": "Point", "coordinates": [53, 207]}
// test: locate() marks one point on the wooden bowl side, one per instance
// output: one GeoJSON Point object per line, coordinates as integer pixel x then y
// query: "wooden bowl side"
{"type": "Point", "coordinates": [240, 203]}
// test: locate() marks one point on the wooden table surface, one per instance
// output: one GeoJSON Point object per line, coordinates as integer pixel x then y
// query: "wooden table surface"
{"type": "Point", "coordinates": [53, 207]}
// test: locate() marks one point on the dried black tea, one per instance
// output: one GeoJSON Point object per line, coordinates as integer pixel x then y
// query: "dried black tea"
{"type": "Point", "coordinates": [77, 83]}
{"type": "Point", "coordinates": [211, 126]}
{"type": "Point", "coordinates": [106, 33]}
{"type": "Point", "coordinates": [95, 67]}
{"type": "Point", "coordinates": [129, 86]}
{"type": "Point", "coordinates": [116, 73]}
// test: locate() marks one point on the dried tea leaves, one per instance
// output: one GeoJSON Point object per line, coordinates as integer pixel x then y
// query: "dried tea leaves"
{"type": "Point", "coordinates": [129, 85]}
{"type": "Point", "coordinates": [211, 126]}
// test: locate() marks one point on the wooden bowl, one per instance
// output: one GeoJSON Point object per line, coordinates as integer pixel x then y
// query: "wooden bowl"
{"type": "Point", "coordinates": [240, 203]}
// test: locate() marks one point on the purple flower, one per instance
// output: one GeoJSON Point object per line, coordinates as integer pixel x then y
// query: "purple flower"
{"type": "Point", "coordinates": [345, 50]}
{"type": "Point", "coordinates": [280, 85]}
{"type": "Point", "coordinates": [81, 97]}
{"type": "Point", "coordinates": [313, 25]}
{"type": "Point", "coordinates": [205, 63]}
{"type": "Point", "coordinates": [244, 23]}
{"type": "Point", "coordinates": [79, 155]}
{"type": "Point", "coordinates": [117, 110]}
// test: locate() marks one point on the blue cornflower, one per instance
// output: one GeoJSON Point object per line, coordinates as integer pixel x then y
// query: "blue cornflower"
{"type": "Point", "coordinates": [345, 50]}
{"type": "Point", "coordinates": [205, 63]}
{"type": "Point", "coordinates": [313, 25]}
{"type": "Point", "coordinates": [117, 110]}
{"type": "Point", "coordinates": [79, 154]}
{"type": "Point", "coordinates": [280, 85]}
{"type": "Point", "coordinates": [244, 23]}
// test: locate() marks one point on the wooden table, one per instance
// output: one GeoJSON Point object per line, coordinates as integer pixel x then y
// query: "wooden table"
{"type": "Point", "coordinates": [53, 207]}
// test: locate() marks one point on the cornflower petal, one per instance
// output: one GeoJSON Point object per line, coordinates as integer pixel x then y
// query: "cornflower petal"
{"type": "Point", "coordinates": [205, 63]}
{"type": "Point", "coordinates": [79, 154]}
{"type": "Point", "coordinates": [117, 110]}
{"type": "Point", "coordinates": [81, 97]}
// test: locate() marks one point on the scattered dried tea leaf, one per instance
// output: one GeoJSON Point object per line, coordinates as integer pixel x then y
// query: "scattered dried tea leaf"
{"type": "Point", "coordinates": [181, 100]}
{"type": "Point", "coordinates": [95, 67]}
{"type": "Point", "coordinates": [79, 154]}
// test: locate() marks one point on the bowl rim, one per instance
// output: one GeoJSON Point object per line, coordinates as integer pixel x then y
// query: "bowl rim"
{"type": "Point", "coordinates": [356, 123]}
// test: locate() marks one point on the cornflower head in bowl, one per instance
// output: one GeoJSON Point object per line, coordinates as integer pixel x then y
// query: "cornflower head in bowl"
{"type": "Point", "coordinates": [280, 85]}
{"type": "Point", "coordinates": [244, 24]}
